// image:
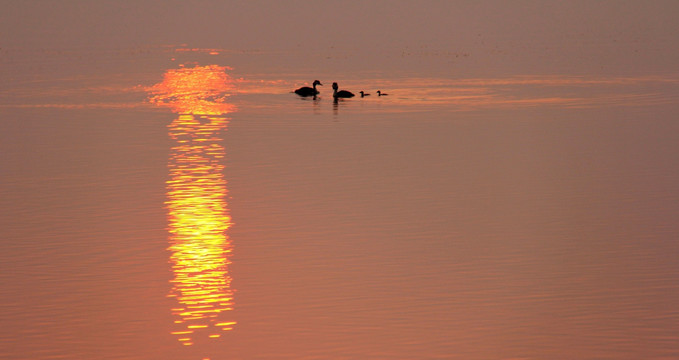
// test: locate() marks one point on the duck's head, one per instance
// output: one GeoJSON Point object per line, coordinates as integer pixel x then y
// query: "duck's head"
{"type": "Point", "coordinates": [316, 82]}
{"type": "Point", "coordinates": [335, 86]}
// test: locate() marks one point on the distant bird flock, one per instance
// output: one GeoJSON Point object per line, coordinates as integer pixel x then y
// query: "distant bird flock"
{"type": "Point", "coordinates": [306, 91]}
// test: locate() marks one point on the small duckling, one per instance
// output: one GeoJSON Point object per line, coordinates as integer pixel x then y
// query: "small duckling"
{"type": "Point", "coordinates": [379, 93]}
{"type": "Point", "coordinates": [363, 94]}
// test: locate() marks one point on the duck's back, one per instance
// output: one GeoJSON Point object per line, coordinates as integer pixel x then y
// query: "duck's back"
{"type": "Point", "coordinates": [344, 94]}
{"type": "Point", "coordinates": [306, 91]}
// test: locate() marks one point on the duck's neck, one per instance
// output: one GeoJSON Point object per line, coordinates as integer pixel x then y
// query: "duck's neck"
{"type": "Point", "coordinates": [334, 92]}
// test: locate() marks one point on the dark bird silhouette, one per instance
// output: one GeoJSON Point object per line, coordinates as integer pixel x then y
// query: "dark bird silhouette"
{"type": "Point", "coordinates": [341, 93]}
{"type": "Point", "coordinates": [363, 94]}
{"type": "Point", "coordinates": [307, 91]}
{"type": "Point", "coordinates": [379, 93]}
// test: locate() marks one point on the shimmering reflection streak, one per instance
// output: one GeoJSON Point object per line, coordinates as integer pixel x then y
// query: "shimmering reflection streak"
{"type": "Point", "coordinates": [198, 215]}
{"type": "Point", "coordinates": [198, 220]}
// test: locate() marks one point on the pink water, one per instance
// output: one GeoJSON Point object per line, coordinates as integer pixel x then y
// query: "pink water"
{"type": "Point", "coordinates": [178, 202]}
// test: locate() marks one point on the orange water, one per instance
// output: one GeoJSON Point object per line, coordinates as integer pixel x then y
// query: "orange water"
{"type": "Point", "coordinates": [183, 209]}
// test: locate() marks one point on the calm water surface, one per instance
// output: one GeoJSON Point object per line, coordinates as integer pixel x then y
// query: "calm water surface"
{"type": "Point", "coordinates": [181, 209]}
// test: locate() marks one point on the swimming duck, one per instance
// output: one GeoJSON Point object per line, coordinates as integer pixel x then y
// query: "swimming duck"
{"type": "Point", "coordinates": [341, 93]}
{"type": "Point", "coordinates": [363, 94]}
{"type": "Point", "coordinates": [379, 93]}
{"type": "Point", "coordinates": [307, 91]}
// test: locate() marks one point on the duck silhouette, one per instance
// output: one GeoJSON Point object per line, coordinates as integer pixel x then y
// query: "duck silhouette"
{"type": "Point", "coordinates": [379, 93]}
{"type": "Point", "coordinates": [364, 94]}
{"type": "Point", "coordinates": [341, 93]}
{"type": "Point", "coordinates": [307, 91]}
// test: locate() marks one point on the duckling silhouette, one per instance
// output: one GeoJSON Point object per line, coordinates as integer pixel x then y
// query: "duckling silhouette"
{"type": "Point", "coordinates": [307, 91]}
{"type": "Point", "coordinates": [364, 94]}
{"type": "Point", "coordinates": [341, 93]}
{"type": "Point", "coordinates": [379, 93]}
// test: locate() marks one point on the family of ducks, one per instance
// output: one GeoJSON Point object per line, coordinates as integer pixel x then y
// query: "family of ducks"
{"type": "Point", "coordinates": [336, 94]}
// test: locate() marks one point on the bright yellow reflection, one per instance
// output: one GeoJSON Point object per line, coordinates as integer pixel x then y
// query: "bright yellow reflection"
{"type": "Point", "coordinates": [198, 215]}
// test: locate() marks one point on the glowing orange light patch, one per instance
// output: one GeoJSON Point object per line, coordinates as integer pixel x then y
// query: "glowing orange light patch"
{"type": "Point", "coordinates": [201, 90]}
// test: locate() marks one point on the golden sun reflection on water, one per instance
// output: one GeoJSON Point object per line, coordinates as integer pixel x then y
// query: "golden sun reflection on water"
{"type": "Point", "coordinates": [198, 214]}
